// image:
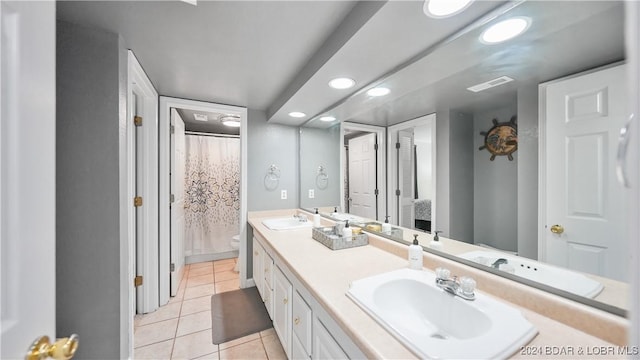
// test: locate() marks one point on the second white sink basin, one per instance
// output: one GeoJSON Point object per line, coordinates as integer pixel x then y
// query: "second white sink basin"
{"type": "Point", "coordinates": [286, 223]}
{"type": "Point", "coordinates": [556, 277]}
{"type": "Point", "coordinates": [436, 324]}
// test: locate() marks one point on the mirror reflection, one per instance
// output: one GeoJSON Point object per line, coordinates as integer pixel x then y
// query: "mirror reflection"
{"type": "Point", "coordinates": [544, 206]}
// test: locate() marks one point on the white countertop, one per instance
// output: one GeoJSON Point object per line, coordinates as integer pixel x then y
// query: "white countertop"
{"type": "Point", "coordinates": [327, 274]}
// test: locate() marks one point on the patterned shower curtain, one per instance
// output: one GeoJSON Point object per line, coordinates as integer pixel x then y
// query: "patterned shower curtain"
{"type": "Point", "coordinates": [212, 203]}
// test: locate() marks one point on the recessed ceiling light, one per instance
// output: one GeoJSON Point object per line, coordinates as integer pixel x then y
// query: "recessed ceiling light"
{"type": "Point", "coordinates": [444, 8]}
{"type": "Point", "coordinates": [297, 114]}
{"type": "Point", "coordinates": [378, 91]}
{"type": "Point", "coordinates": [230, 120]}
{"type": "Point", "coordinates": [342, 83]}
{"type": "Point", "coordinates": [327, 118]}
{"type": "Point", "coordinates": [200, 117]}
{"type": "Point", "coordinates": [505, 30]}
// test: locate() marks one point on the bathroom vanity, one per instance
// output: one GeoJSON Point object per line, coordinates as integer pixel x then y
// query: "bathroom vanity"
{"type": "Point", "coordinates": [304, 285]}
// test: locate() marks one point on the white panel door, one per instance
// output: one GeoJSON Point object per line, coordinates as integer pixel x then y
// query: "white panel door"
{"type": "Point", "coordinates": [583, 199]}
{"type": "Point", "coordinates": [178, 157]}
{"type": "Point", "coordinates": [27, 175]}
{"type": "Point", "coordinates": [406, 179]}
{"type": "Point", "coordinates": [362, 176]}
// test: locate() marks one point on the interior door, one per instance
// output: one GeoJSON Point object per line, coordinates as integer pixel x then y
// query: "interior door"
{"type": "Point", "coordinates": [27, 175]}
{"type": "Point", "coordinates": [406, 179]}
{"type": "Point", "coordinates": [177, 205]}
{"type": "Point", "coordinates": [585, 227]}
{"type": "Point", "coordinates": [362, 176]}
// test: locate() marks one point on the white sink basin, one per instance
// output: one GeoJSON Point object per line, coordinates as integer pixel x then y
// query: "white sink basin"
{"type": "Point", "coordinates": [286, 223]}
{"type": "Point", "coordinates": [436, 324]}
{"type": "Point", "coordinates": [556, 277]}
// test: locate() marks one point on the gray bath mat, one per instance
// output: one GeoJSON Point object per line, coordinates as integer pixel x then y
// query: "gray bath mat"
{"type": "Point", "coordinates": [238, 313]}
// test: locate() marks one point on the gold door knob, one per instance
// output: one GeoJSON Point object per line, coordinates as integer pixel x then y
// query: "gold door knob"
{"type": "Point", "coordinates": [557, 229]}
{"type": "Point", "coordinates": [296, 320]}
{"type": "Point", "coordinates": [62, 349]}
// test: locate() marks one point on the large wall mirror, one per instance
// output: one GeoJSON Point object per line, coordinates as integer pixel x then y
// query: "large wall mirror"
{"type": "Point", "coordinates": [498, 173]}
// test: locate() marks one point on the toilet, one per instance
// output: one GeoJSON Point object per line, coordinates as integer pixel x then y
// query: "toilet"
{"type": "Point", "coordinates": [235, 245]}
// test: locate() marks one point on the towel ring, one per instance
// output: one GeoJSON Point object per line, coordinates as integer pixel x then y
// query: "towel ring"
{"type": "Point", "coordinates": [322, 179]}
{"type": "Point", "coordinates": [272, 178]}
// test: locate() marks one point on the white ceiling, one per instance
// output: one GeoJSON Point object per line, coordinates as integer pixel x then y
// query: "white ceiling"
{"type": "Point", "coordinates": [278, 56]}
{"type": "Point", "coordinates": [274, 56]}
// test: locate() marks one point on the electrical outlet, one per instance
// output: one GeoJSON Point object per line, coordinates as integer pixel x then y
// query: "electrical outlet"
{"type": "Point", "coordinates": [283, 195]}
{"type": "Point", "coordinates": [312, 194]}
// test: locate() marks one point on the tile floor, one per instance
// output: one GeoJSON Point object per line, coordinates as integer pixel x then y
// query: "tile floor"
{"type": "Point", "coordinates": [182, 328]}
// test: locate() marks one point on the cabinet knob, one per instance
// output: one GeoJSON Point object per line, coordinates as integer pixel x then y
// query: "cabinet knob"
{"type": "Point", "coordinates": [296, 320]}
{"type": "Point", "coordinates": [255, 253]}
{"type": "Point", "coordinates": [285, 300]}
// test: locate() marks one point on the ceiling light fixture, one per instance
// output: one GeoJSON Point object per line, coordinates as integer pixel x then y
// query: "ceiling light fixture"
{"type": "Point", "coordinates": [489, 84]}
{"type": "Point", "coordinates": [297, 114]}
{"type": "Point", "coordinates": [505, 30]}
{"type": "Point", "coordinates": [230, 120]}
{"type": "Point", "coordinates": [200, 117]}
{"type": "Point", "coordinates": [342, 83]}
{"type": "Point", "coordinates": [444, 8]}
{"type": "Point", "coordinates": [327, 118]}
{"type": "Point", "coordinates": [378, 91]}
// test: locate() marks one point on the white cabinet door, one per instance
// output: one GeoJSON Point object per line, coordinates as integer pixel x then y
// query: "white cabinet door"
{"type": "Point", "coordinates": [324, 345]}
{"type": "Point", "coordinates": [302, 321]}
{"type": "Point", "coordinates": [258, 272]}
{"type": "Point", "coordinates": [282, 324]}
{"type": "Point", "coordinates": [297, 350]}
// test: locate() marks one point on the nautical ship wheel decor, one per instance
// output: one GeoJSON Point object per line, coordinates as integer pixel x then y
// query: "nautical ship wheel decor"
{"type": "Point", "coordinates": [501, 139]}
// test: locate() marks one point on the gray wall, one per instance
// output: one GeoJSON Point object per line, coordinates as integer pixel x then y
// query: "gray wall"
{"type": "Point", "coordinates": [319, 147]}
{"type": "Point", "coordinates": [527, 155]}
{"type": "Point", "coordinates": [495, 188]}
{"type": "Point", "coordinates": [271, 144]}
{"type": "Point", "coordinates": [89, 103]}
{"type": "Point", "coordinates": [461, 168]}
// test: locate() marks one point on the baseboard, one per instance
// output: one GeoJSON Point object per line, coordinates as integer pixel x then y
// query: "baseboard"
{"type": "Point", "coordinates": [192, 259]}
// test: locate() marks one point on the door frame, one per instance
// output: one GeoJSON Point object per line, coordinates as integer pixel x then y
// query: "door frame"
{"type": "Point", "coordinates": [542, 154]}
{"type": "Point", "coordinates": [166, 103]}
{"type": "Point", "coordinates": [138, 82]}
{"type": "Point", "coordinates": [381, 167]}
{"type": "Point", "coordinates": [392, 133]}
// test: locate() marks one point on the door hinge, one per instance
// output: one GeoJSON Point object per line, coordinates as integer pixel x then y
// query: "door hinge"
{"type": "Point", "coordinates": [376, 192]}
{"type": "Point", "coordinates": [398, 192]}
{"type": "Point", "coordinates": [137, 201]}
{"type": "Point", "coordinates": [375, 147]}
{"type": "Point", "coordinates": [172, 267]}
{"type": "Point", "coordinates": [172, 198]}
{"type": "Point", "coordinates": [137, 120]}
{"type": "Point", "coordinates": [398, 145]}
{"type": "Point", "coordinates": [173, 129]}
{"type": "Point", "coordinates": [137, 281]}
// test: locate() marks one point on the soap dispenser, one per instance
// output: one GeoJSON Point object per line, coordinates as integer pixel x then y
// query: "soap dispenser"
{"type": "Point", "coordinates": [316, 219]}
{"type": "Point", "coordinates": [386, 227]}
{"type": "Point", "coordinates": [347, 233]}
{"type": "Point", "coordinates": [415, 254]}
{"type": "Point", "coordinates": [435, 243]}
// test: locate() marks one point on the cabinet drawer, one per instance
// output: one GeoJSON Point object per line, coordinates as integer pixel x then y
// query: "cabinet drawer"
{"type": "Point", "coordinates": [268, 270]}
{"type": "Point", "coordinates": [302, 321]}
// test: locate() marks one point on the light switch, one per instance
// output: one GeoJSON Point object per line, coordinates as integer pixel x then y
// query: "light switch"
{"type": "Point", "coordinates": [283, 195]}
{"type": "Point", "coordinates": [312, 194]}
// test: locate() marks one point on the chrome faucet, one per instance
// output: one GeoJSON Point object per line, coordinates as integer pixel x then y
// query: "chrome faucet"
{"type": "Point", "coordinates": [497, 263]}
{"type": "Point", "coordinates": [300, 218]}
{"type": "Point", "coordinates": [463, 287]}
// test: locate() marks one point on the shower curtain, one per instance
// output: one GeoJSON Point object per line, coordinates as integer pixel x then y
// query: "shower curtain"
{"type": "Point", "coordinates": [212, 203]}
